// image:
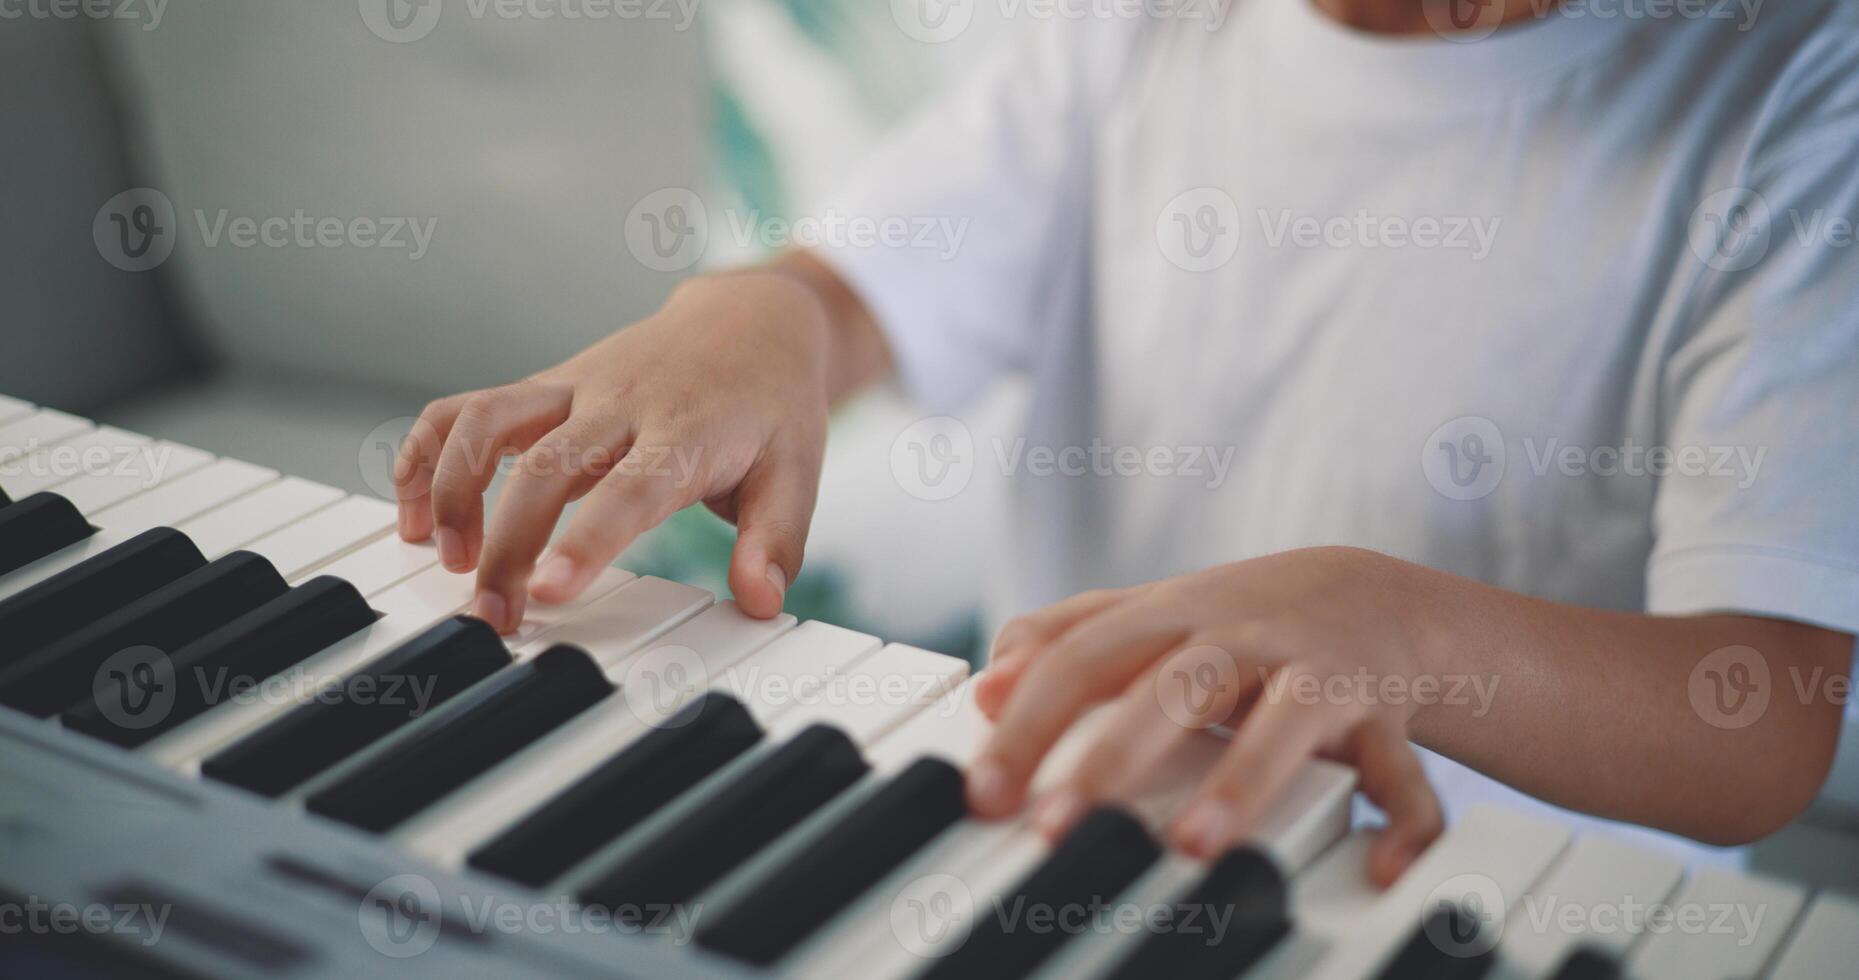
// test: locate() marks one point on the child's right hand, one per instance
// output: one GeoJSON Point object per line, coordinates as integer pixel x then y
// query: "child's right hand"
{"type": "Point", "coordinates": [721, 397]}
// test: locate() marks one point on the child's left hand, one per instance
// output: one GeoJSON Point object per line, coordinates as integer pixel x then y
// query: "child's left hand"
{"type": "Point", "coordinates": [1214, 647]}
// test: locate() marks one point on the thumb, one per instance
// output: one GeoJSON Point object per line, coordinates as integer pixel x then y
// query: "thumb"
{"type": "Point", "coordinates": [774, 509]}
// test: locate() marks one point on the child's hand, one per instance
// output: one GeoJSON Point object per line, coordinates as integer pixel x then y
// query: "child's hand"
{"type": "Point", "coordinates": [719, 397]}
{"type": "Point", "coordinates": [1240, 644]}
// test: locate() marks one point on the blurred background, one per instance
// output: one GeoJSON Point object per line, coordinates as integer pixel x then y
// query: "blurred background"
{"type": "Point", "coordinates": [520, 141]}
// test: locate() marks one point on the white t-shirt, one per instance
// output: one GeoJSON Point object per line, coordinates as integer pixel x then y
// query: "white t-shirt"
{"type": "Point", "coordinates": [1572, 309]}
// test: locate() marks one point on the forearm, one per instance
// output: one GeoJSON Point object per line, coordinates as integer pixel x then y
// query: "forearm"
{"type": "Point", "coordinates": [1596, 710]}
{"type": "Point", "coordinates": [857, 354]}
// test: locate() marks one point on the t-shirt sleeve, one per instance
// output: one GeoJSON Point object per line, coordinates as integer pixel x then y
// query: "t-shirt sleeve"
{"type": "Point", "coordinates": [1764, 392]}
{"type": "Point", "coordinates": [972, 211]}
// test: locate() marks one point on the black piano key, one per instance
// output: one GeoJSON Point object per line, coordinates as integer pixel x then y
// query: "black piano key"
{"type": "Point", "coordinates": [4, 499]}
{"type": "Point", "coordinates": [1447, 946]}
{"type": "Point", "coordinates": [477, 730]}
{"type": "Point", "coordinates": [231, 659]}
{"type": "Point", "coordinates": [742, 818]}
{"type": "Point", "coordinates": [866, 844]}
{"type": "Point", "coordinates": [393, 690]}
{"type": "Point", "coordinates": [61, 604]}
{"type": "Point", "coordinates": [1244, 889]}
{"type": "Point", "coordinates": [1107, 851]}
{"type": "Point", "coordinates": [621, 792]}
{"type": "Point", "coordinates": [36, 527]}
{"type": "Point", "coordinates": [63, 671]}
{"type": "Point", "coordinates": [1588, 964]}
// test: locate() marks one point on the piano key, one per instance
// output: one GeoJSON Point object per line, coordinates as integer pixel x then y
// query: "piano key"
{"type": "Point", "coordinates": [27, 434]}
{"type": "Point", "coordinates": [148, 468]}
{"type": "Point", "coordinates": [1596, 872]}
{"type": "Point", "coordinates": [407, 614]}
{"type": "Point", "coordinates": [377, 700]}
{"type": "Point", "coordinates": [1722, 926]}
{"type": "Point", "coordinates": [235, 657]}
{"type": "Point", "coordinates": [671, 867]}
{"type": "Point", "coordinates": [796, 668]}
{"type": "Point", "coordinates": [78, 595]}
{"type": "Point", "coordinates": [61, 672]}
{"type": "Point", "coordinates": [38, 526]}
{"type": "Point", "coordinates": [647, 774]}
{"type": "Point", "coordinates": [4, 499]}
{"type": "Point", "coordinates": [1245, 890]}
{"type": "Point", "coordinates": [257, 514]}
{"type": "Point", "coordinates": [85, 454]}
{"type": "Point", "coordinates": [17, 581]}
{"type": "Point", "coordinates": [1822, 944]}
{"type": "Point", "coordinates": [1592, 964]}
{"type": "Point", "coordinates": [1493, 854]}
{"type": "Point", "coordinates": [423, 761]}
{"type": "Point", "coordinates": [806, 891]}
{"type": "Point", "coordinates": [1426, 957]}
{"type": "Point", "coordinates": [13, 408]}
{"type": "Point", "coordinates": [384, 563]}
{"type": "Point", "coordinates": [1101, 857]}
{"type": "Point", "coordinates": [673, 670]}
{"type": "Point", "coordinates": [614, 629]}
{"type": "Point", "coordinates": [879, 693]}
{"type": "Point", "coordinates": [298, 549]}
{"type": "Point", "coordinates": [186, 496]}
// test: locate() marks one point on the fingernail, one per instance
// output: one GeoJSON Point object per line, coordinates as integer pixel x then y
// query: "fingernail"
{"type": "Point", "coordinates": [451, 547]}
{"type": "Point", "coordinates": [1059, 813]}
{"type": "Point", "coordinates": [778, 579]}
{"type": "Point", "coordinates": [554, 575]}
{"type": "Point", "coordinates": [1206, 827]}
{"type": "Point", "coordinates": [491, 608]}
{"type": "Point", "coordinates": [987, 786]}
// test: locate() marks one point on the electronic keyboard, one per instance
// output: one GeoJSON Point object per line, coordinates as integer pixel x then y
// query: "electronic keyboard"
{"type": "Point", "coordinates": [245, 730]}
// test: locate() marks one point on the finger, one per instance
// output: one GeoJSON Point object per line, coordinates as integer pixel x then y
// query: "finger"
{"type": "Point", "coordinates": [1134, 734]}
{"type": "Point", "coordinates": [1277, 738]}
{"type": "Point", "coordinates": [1393, 778]}
{"type": "Point", "coordinates": [489, 425]}
{"type": "Point", "coordinates": [773, 514]}
{"type": "Point", "coordinates": [1090, 663]}
{"type": "Point", "coordinates": [413, 467]}
{"type": "Point", "coordinates": [1023, 635]}
{"type": "Point", "coordinates": [639, 493]}
{"type": "Point", "coordinates": [559, 467]}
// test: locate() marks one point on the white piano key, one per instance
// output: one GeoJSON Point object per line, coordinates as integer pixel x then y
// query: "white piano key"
{"type": "Point", "coordinates": [24, 436]}
{"type": "Point", "coordinates": [1823, 944]}
{"type": "Point", "coordinates": [878, 693]}
{"type": "Point", "coordinates": [383, 563]}
{"type": "Point", "coordinates": [1494, 854]}
{"type": "Point", "coordinates": [539, 618]}
{"type": "Point", "coordinates": [89, 453]}
{"type": "Point", "coordinates": [953, 729]}
{"type": "Point", "coordinates": [702, 647]}
{"type": "Point", "coordinates": [187, 496]}
{"type": "Point", "coordinates": [13, 408]}
{"type": "Point", "coordinates": [257, 514]}
{"type": "Point", "coordinates": [615, 628]}
{"type": "Point", "coordinates": [796, 669]}
{"type": "Point", "coordinates": [301, 547]}
{"type": "Point", "coordinates": [144, 470]}
{"type": "Point", "coordinates": [1596, 874]}
{"type": "Point", "coordinates": [1722, 926]}
{"type": "Point", "coordinates": [431, 595]}
{"type": "Point", "coordinates": [58, 561]}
